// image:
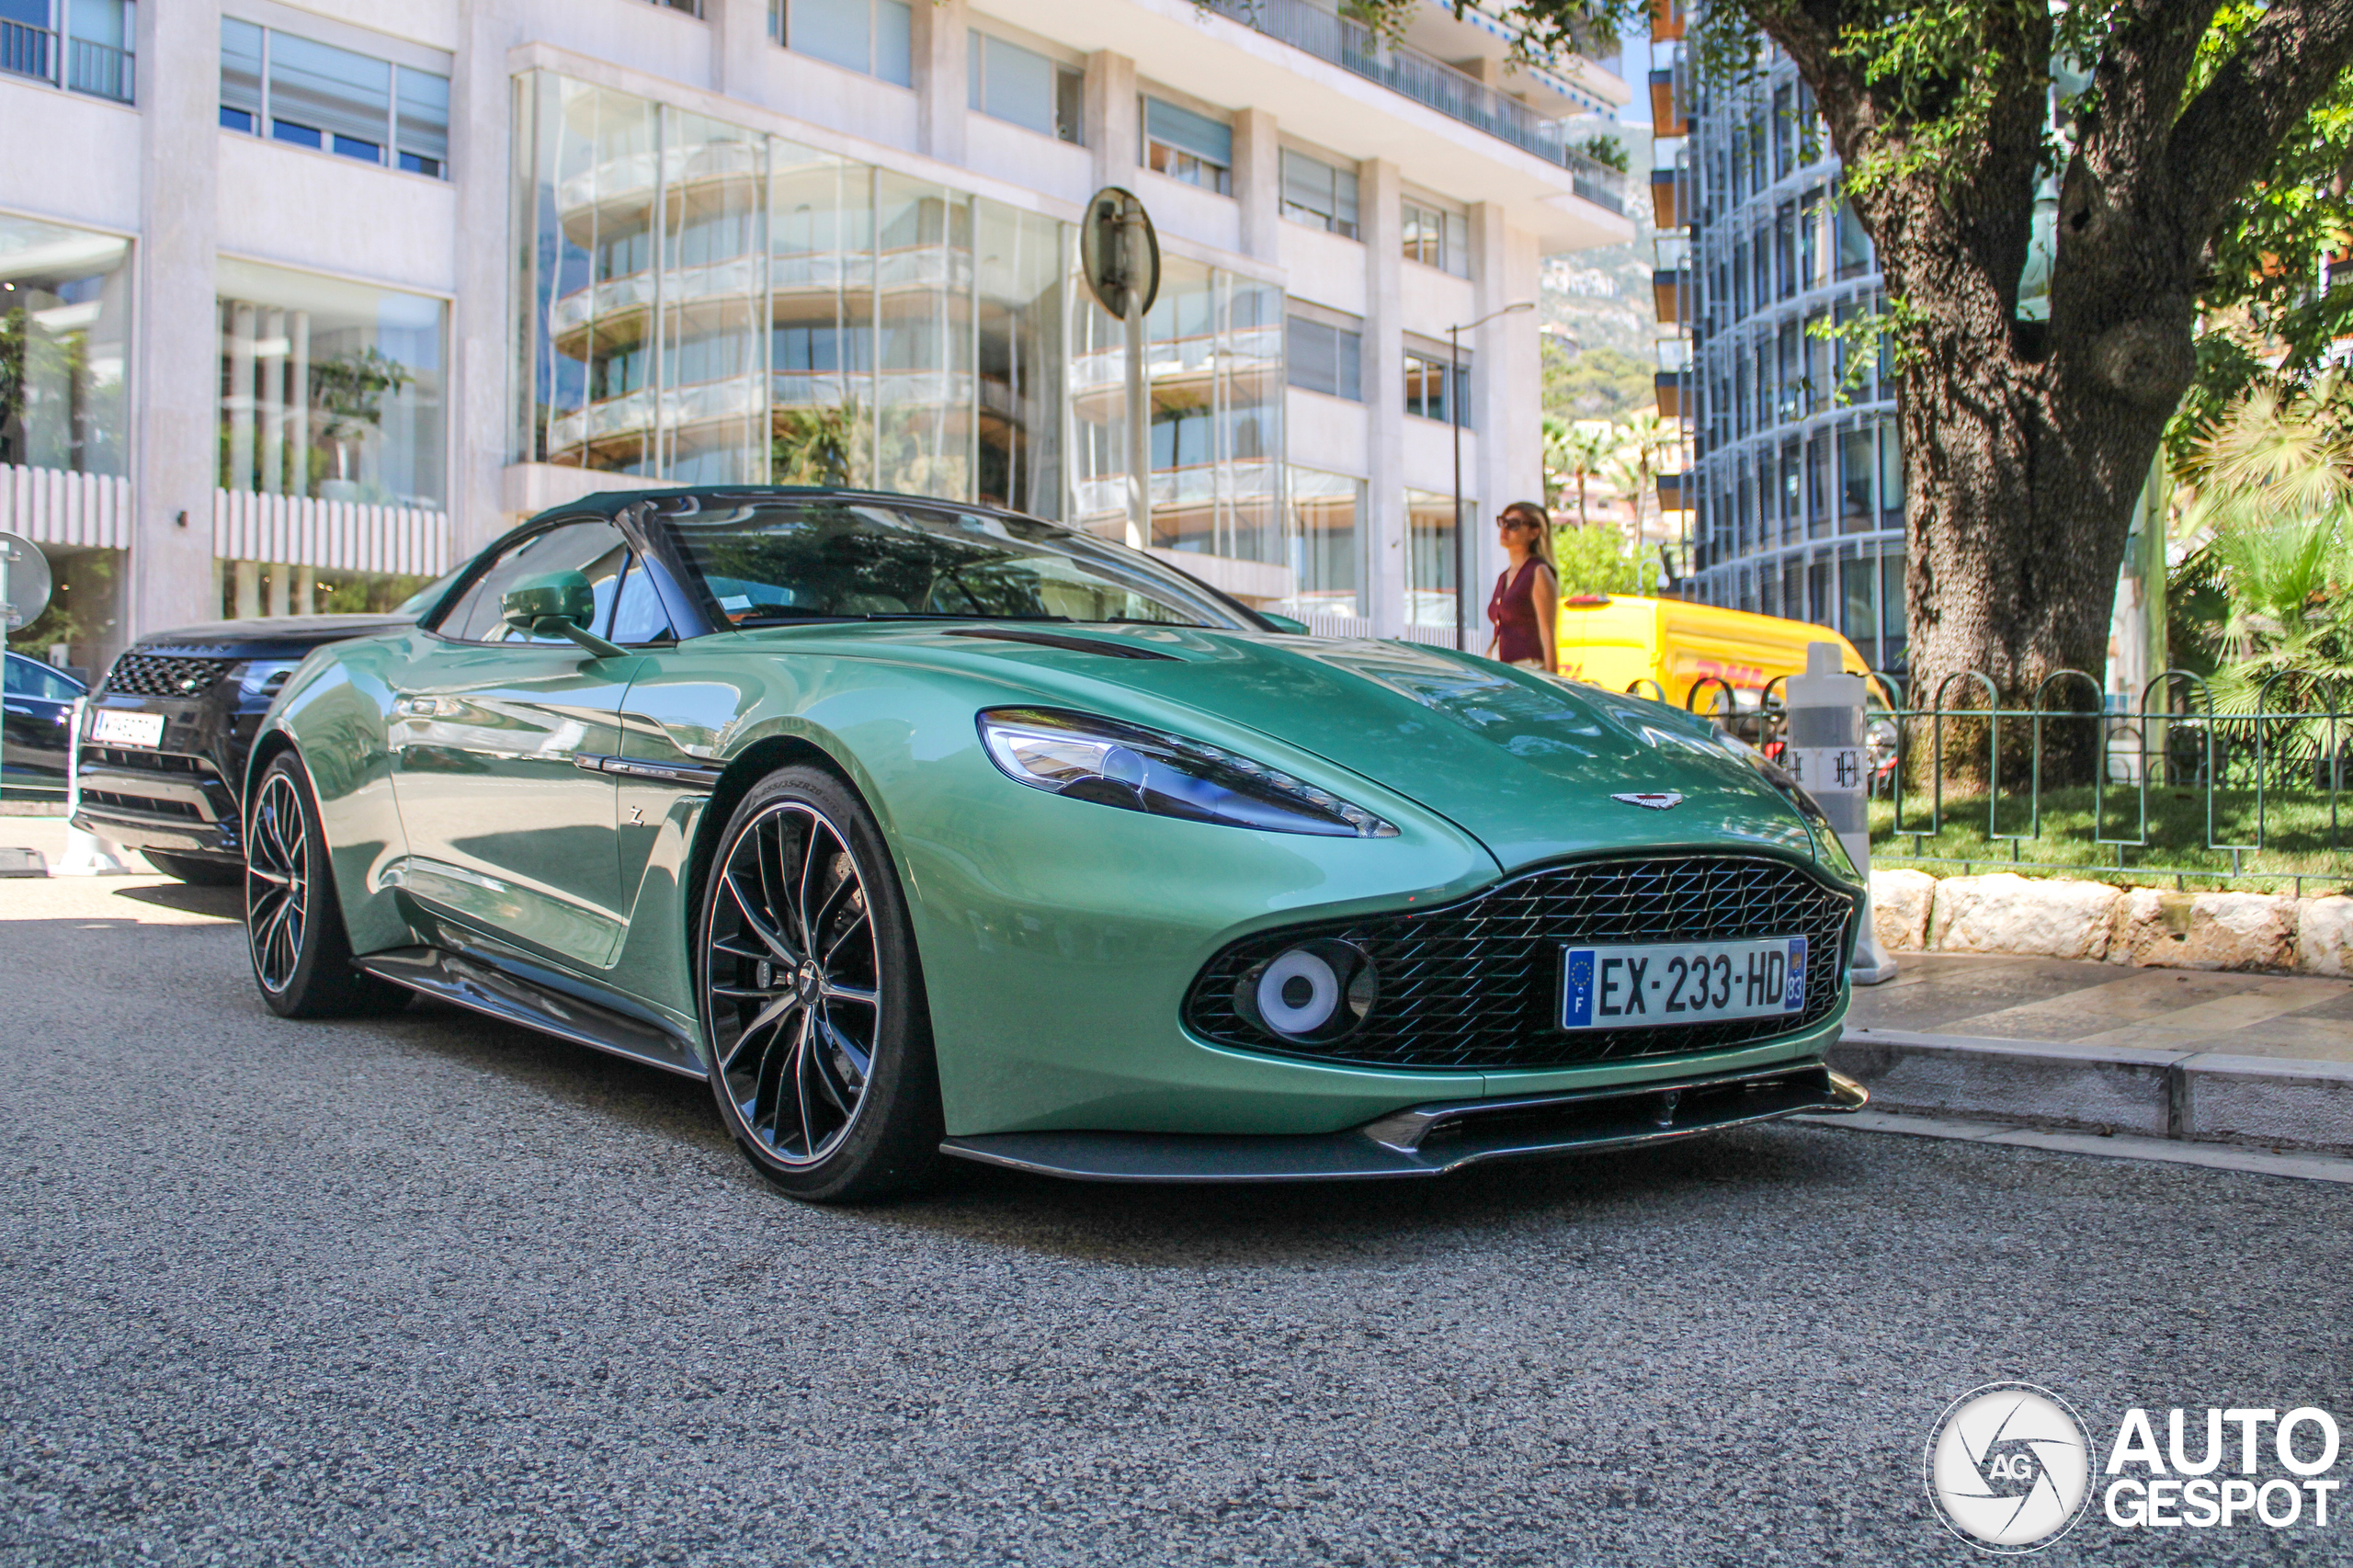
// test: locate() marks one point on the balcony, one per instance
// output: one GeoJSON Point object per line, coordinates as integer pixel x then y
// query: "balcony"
{"type": "Point", "coordinates": [78, 65]}
{"type": "Point", "coordinates": [1428, 82]}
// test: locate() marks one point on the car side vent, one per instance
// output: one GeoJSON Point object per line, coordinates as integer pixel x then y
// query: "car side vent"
{"type": "Point", "coordinates": [1057, 640]}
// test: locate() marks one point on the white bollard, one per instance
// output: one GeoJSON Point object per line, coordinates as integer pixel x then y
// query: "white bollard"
{"type": "Point", "coordinates": [86, 854]}
{"type": "Point", "coordinates": [1823, 750]}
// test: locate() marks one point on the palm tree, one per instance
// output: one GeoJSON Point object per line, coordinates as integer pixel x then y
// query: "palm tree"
{"type": "Point", "coordinates": [1573, 453]}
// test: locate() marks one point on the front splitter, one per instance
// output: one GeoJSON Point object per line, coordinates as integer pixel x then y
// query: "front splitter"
{"type": "Point", "coordinates": [1431, 1139]}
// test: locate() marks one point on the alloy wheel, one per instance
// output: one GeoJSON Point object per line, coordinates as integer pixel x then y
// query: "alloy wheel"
{"type": "Point", "coordinates": [791, 980]}
{"type": "Point", "coordinates": [277, 882]}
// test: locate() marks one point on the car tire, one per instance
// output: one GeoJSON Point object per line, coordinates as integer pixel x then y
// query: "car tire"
{"type": "Point", "coordinates": [294, 931]}
{"type": "Point", "coordinates": [812, 996]}
{"type": "Point", "coordinates": [195, 871]}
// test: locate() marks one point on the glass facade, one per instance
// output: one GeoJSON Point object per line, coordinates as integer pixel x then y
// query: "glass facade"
{"type": "Point", "coordinates": [710, 304]}
{"type": "Point", "coordinates": [64, 333]}
{"type": "Point", "coordinates": [1799, 479]}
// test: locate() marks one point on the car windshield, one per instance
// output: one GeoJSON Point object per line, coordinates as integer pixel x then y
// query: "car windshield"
{"type": "Point", "coordinates": [772, 563]}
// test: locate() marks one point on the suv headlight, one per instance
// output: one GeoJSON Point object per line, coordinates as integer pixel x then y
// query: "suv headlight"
{"type": "Point", "coordinates": [1827, 846]}
{"type": "Point", "coordinates": [1137, 769]}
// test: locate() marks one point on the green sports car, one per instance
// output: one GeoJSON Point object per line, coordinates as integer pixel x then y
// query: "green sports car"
{"type": "Point", "coordinates": [926, 830]}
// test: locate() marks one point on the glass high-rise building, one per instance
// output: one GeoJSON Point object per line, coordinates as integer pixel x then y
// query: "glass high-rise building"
{"type": "Point", "coordinates": [1797, 481]}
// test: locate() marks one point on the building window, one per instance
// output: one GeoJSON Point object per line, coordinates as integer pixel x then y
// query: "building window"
{"type": "Point", "coordinates": [1854, 246]}
{"type": "Point", "coordinates": [1324, 538]}
{"type": "Point", "coordinates": [1187, 146]}
{"type": "Point", "coordinates": [691, 7]}
{"type": "Point", "coordinates": [1856, 467]}
{"type": "Point", "coordinates": [1023, 87]}
{"type": "Point", "coordinates": [83, 45]}
{"type": "Point", "coordinates": [1426, 389]}
{"type": "Point", "coordinates": [1318, 194]}
{"type": "Point", "coordinates": [1429, 556]}
{"type": "Point", "coordinates": [64, 334]}
{"type": "Point", "coordinates": [873, 37]}
{"type": "Point", "coordinates": [1438, 239]}
{"type": "Point", "coordinates": [1324, 357]}
{"type": "Point", "coordinates": [330, 389]}
{"type": "Point", "coordinates": [314, 94]}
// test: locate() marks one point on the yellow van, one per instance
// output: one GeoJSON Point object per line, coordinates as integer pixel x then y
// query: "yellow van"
{"type": "Point", "coordinates": [1664, 647]}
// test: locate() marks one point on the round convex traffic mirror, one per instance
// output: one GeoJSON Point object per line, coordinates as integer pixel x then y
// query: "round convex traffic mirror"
{"type": "Point", "coordinates": [24, 582]}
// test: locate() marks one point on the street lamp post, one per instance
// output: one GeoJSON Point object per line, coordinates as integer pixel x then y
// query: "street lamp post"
{"type": "Point", "coordinates": [1454, 417]}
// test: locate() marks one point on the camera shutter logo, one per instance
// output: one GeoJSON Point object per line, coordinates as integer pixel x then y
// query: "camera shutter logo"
{"type": "Point", "coordinates": [2008, 1467]}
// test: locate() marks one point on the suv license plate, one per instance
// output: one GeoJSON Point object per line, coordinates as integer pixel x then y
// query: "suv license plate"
{"type": "Point", "coordinates": [111, 728]}
{"type": "Point", "coordinates": [1681, 983]}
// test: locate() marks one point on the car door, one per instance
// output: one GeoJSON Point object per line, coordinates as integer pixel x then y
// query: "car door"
{"type": "Point", "coordinates": [496, 737]}
{"type": "Point", "coordinates": [39, 702]}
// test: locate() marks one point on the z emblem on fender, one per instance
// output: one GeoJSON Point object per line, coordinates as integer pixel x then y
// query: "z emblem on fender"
{"type": "Point", "coordinates": [1661, 800]}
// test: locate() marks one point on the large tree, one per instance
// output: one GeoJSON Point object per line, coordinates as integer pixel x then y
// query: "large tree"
{"type": "Point", "coordinates": [2201, 154]}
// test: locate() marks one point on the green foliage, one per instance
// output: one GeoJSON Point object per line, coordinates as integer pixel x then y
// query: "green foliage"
{"type": "Point", "coordinates": [1600, 559]}
{"type": "Point", "coordinates": [1607, 151]}
{"type": "Point", "coordinates": [1600, 383]}
{"type": "Point", "coordinates": [815, 445]}
{"type": "Point", "coordinates": [2266, 600]}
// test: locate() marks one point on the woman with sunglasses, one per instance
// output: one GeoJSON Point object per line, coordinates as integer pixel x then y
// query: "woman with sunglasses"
{"type": "Point", "coordinates": [1527, 601]}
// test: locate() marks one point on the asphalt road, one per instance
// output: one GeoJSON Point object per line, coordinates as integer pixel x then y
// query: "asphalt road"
{"type": "Point", "coordinates": [433, 1291]}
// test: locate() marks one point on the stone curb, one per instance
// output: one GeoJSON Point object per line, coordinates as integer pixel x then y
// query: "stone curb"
{"type": "Point", "coordinates": [2055, 917]}
{"type": "Point", "coordinates": [2200, 1095]}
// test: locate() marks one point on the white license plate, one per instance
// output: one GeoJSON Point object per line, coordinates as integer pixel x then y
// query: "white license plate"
{"type": "Point", "coordinates": [1681, 983]}
{"type": "Point", "coordinates": [114, 729]}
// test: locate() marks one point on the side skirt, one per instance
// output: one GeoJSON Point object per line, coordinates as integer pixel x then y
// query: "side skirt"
{"type": "Point", "coordinates": [1431, 1139]}
{"type": "Point", "coordinates": [475, 980]}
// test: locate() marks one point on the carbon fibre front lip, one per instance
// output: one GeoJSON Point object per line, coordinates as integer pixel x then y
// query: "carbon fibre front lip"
{"type": "Point", "coordinates": [1431, 1139]}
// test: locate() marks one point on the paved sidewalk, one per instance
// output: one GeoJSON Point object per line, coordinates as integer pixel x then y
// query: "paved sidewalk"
{"type": "Point", "coordinates": [2294, 1016]}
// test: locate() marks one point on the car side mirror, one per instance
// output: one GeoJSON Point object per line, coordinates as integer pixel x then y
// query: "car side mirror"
{"type": "Point", "coordinates": [1282, 622]}
{"type": "Point", "coordinates": [559, 604]}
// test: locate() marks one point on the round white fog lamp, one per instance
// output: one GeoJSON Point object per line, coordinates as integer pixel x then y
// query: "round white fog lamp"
{"type": "Point", "coordinates": [1312, 990]}
{"type": "Point", "coordinates": [1299, 993]}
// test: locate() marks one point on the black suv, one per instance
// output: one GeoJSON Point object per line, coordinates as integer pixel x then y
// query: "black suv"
{"type": "Point", "coordinates": [163, 752]}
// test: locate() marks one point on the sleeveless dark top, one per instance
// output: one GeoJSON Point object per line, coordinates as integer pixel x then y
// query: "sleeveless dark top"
{"type": "Point", "coordinates": [1512, 610]}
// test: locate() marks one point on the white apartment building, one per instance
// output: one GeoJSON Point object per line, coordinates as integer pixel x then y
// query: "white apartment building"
{"type": "Point", "coordinates": [300, 304]}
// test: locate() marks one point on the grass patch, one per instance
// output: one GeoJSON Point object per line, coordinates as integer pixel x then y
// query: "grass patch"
{"type": "Point", "coordinates": [2296, 839]}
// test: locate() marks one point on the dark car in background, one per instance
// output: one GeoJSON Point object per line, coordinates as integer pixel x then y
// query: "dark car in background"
{"type": "Point", "coordinates": [39, 729]}
{"type": "Point", "coordinates": [164, 749]}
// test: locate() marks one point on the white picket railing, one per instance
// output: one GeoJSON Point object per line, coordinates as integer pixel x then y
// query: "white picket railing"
{"type": "Point", "coordinates": [344, 536]}
{"type": "Point", "coordinates": [51, 505]}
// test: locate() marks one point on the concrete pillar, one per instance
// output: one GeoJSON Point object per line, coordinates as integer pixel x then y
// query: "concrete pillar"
{"type": "Point", "coordinates": [943, 87]}
{"type": "Point", "coordinates": [483, 433]}
{"type": "Point", "coordinates": [739, 46]}
{"type": "Point", "coordinates": [1113, 133]}
{"type": "Point", "coordinates": [1380, 217]}
{"type": "Point", "coordinates": [1258, 183]}
{"type": "Point", "coordinates": [176, 426]}
{"type": "Point", "coordinates": [1506, 395]}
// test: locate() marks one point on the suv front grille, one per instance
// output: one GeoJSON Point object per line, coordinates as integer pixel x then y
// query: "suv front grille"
{"type": "Point", "coordinates": [1476, 985]}
{"type": "Point", "coordinates": [164, 675]}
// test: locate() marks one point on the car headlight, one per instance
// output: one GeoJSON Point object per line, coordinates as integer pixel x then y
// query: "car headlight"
{"type": "Point", "coordinates": [1828, 848]}
{"type": "Point", "coordinates": [1137, 769]}
{"type": "Point", "coordinates": [259, 680]}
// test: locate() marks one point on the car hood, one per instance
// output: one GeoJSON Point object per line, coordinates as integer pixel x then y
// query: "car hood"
{"type": "Point", "coordinates": [1530, 765]}
{"type": "Point", "coordinates": [279, 636]}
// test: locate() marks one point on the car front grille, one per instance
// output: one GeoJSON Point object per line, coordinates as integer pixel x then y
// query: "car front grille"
{"type": "Point", "coordinates": [1477, 984]}
{"type": "Point", "coordinates": [164, 675]}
